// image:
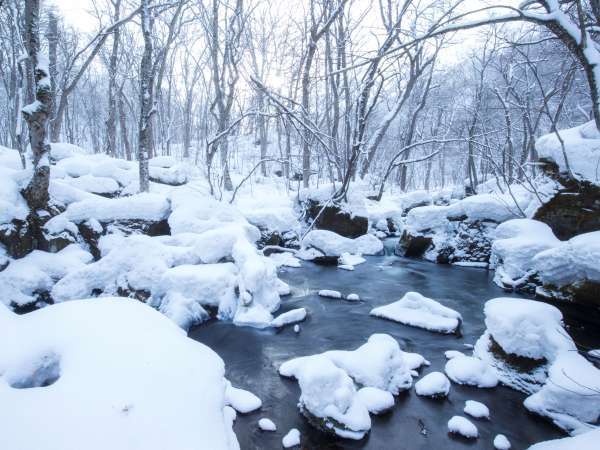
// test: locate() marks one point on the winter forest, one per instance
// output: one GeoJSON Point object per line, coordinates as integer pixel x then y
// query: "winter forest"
{"type": "Point", "coordinates": [310, 224]}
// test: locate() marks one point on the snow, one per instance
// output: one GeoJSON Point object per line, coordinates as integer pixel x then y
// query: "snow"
{"type": "Point", "coordinates": [327, 383]}
{"type": "Point", "coordinates": [434, 384]}
{"type": "Point", "coordinates": [585, 441]}
{"type": "Point", "coordinates": [471, 371]}
{"type": "Point", "coordinates": [266, 424]}
{"type": "Point", "coordinates": [571, 396]}
{"type": "Point", "coordinates": [145, 206]}
{"type": "Point", "coordinates": [95, 185]}
{"type": "Point", "coordinates": [414, 199]}
{"type": "Point", "coordinates": [241, 400]}
{"type": "Point", "coordinates": [427, 218]}
{"type": "Point", "coordinates": [291, 439]}
{"type": "Point", "coordinates": [329, 293]}
{"type": "Point", "coordinates": [286, 259]}
{"type": "Point", "coordinates": [37, 272]}
{"type": "Point", "coordinates": [142, 369]}
{"type": "Point", "coordinates": [289, 317]}
{"type": "Point", "coordinates": [527, 328]}
{"type": "Point", "coordinates": [582, 145]}
{"type": "Point", "coordinates": [353, 297]}
{"type": "Point", "coordinates": [516, 243]}
{"type": "Point", "coordinates": [348, 259]}
{"type": "Point", "coordinates": [494, 207]}
{"type": "Point", "coordinates": [463, 426]}
{"type": "Point", "coordinates": [449, 354]}
{"type": "Point", "coordinates": [375, 400]}
{"type": "Point", "coordinates": [296, 328]}
{"type": "Point", "coordinates": [476, 409]}
{"type": "Point", "coordinates": [12, 204]}
{"type": "Point", "coordinates": [575, 260]}
{"type": "Point", "coordinates": [416, 310]}
{"type": "Point", "coordinates": [331, 244]}
{"type": "Point", "coordinates": [501, 442]}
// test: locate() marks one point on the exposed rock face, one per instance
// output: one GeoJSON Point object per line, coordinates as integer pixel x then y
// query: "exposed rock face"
{"type": "Point", "coordinates": [575, 208]}
{"type": "Point", "coordinates": [18, 237]}
{"type": "Point", "coordinates": [461, 241]}
{"type": "Point", "coordinates": [333, 218]}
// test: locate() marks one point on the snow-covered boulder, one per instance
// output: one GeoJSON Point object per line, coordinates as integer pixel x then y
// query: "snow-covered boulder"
{"type": "Point", "coordinates": [463, 427]}
{"type": "Point", "coordinates": [471, 371]}
{"type": "Point", "coordinates": [515, 245]}
{"type": "Point", "coordinates": [329, 244]}
{"type": "Point", "coordinates": [521, 339]}
{"type": "Point", "coordinates": [327, 382]}
{"type": "Point", "coordinates": [113, 366]}
{"type": "Point", "coordinates": [571, 396]}
{"type": "Point", "coordinates": [289, 317]}
{"type": "Point", "coordinates": [476, 409]}
{"type": "Point", "coordinates": [571, 270]}
{"type": "Point", "coordinates": [585, 441]}
{"type": "Point", "coordinates": [434, 384]}
{"type": "Point", "coordinates": [418, 311]}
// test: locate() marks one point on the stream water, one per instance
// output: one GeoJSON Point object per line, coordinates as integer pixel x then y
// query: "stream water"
{"type": "Point", "coordinates": [253, 356]}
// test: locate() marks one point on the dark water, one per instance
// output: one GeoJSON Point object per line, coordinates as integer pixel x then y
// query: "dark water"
{"type": "Point", "coordinates": [252, 357]}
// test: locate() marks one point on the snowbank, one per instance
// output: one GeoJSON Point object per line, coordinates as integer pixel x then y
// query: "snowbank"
{"type": "Point", "coordinates": [582, 146]}
{"type": "Point", "coordinates": [418, 311]}
{"type": "Point", "coordinates": [103, 370]}
{"type": "Point", "coordinates": [585, 441]}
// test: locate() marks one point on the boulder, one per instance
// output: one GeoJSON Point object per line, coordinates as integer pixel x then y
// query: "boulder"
{"type": "Point", "coordinates": [334, 218]}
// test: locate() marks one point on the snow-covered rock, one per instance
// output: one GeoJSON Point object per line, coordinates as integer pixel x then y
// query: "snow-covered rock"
{"type": "Point", "coordinates": [114, 366]}
{"type": "Point", "coordinates": [471, 371]}
{"type": "Point", "coordinates": [286, 259]}
{"type": "Point", "coordinates": [501, 442]}
{"type": "Point", "coordinates": [434, 384]}
{"type": "Point", "coordinates": [516, 244]}
{"type": "Point", "coordinates": [376, 400]}
{"type": "Point", "coordinates": [348, 259]}
{"type": "Point", "coordinates": [462, 426]}
{"type": "Point", "coordinates": [572, 269]}
{"type": "Point", "coordinates": [582, 146]}
{"type": "Point", "coordinates": [266, 424]}
{"type": "Point", "coordinates": [329, 243]}
{"type": "Point", "coordinates": [241, 400]}
{"type": "Point", "coordinates": [476, 409]}
{"type": "Point", "coordinates": [522, 338]}
{"type": "Point", "coordinates": [353, 297]}
{"type": "Point", "coordinates": [329, 293]}
{"type": "Point", "coordinates": [586, 441]}
{"type": "Point", "coordinates": [291, 439]}
{"type": "Point", "coordinates": [571, 396]}
{"type": "Point", "coordinates": [327, 383]}
{"type": "Point", "coordinates": [418, 311]}
{"type": "Point", "coordinates": [289, 317]}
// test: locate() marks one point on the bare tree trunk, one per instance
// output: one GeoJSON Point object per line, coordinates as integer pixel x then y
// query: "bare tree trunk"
{"type": "Point", "coordinates": [36, 113]}
{"type": "Point", "coordinates": [111, 120]}
{"type": "Point", "coordinates": [146, 96]}
{"type": "Point", "coordinates": [52, 37]}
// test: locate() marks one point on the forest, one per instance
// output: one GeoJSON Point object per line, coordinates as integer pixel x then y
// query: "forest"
{"type": "Point", "coordinates": [256, 224]}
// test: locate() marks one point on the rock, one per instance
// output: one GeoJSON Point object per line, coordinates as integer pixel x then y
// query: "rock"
{"type": "Point", "coordinates": [574, 209]}
{"type": "Point", "coordinates": [18, 237]}
{"type": "Point", "coordinates": [333, 218]}
{"type": "Point", "coordinates": [413, 246]}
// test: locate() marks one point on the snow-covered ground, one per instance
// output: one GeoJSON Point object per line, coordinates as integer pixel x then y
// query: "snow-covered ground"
{"type": "Point", "coordinates": [112, 366]}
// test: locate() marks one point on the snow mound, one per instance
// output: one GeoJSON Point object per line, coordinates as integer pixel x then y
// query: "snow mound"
{"type": "Point", "coordinates": [516, 244]}
{"type": "Point", "coordinates": [462, 426]}
{"type": "Point", "coordinates": [529, 334]}
{"type": "Point", "coordinates": [571, 396]}
{"type": "Point", "coordinates": [241, 400]}
{"type": "Point", "coordinates": [476, 409]}
{"type": "Point", "coordinates": [434, 384]}
{"type": "Point", "coordinates": [289, 317]}
{"type": "Point", "coordinates": [266, 424]}
{"type": "Point", "coordinates": [493, 207]}
{"type": "Point", "coordinates": [329, 243]}
{"type": "Point", "coordinates": [501, 442]}
{"type": "Point", "coordinates": [25, 279]}
{"type": "Point", "coordinates": [329, 293]}
{"type": "Point", "coordinates": [327, 382]}
{"type": "Point", "coordinates": [375, 400]}
{"type": "Point", "coordinates": [63, 150]}
{"type": "Point", "coordinates": [471, 371]}
{"type": "Point", "coordinates": [286, 259]}
{"type": "Point", "coordinates": [114, 361]}
{"type": "Point", "coordinates": [585, 441]}
{"type": "Point", "coordinates": [582, 146]}
{"type": "Point", "coordinates": [571, 262]}
{"type": "Point", "coordinates": [418, 311]}
{"type": "Point", "coordinates": [291, 439]}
